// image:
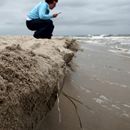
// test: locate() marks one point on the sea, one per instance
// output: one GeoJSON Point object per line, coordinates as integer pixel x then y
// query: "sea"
{"type": "Point", "coordinates": [116, 44]}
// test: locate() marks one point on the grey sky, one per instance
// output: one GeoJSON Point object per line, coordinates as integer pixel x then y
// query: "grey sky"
{"type": "Point", "coordinates": [79, 17]}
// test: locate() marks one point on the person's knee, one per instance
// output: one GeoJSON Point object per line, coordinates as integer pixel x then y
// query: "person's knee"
{"type": "Point", "coordinates": [51, 24]}
{"type": "Point", "coordinates": [50, 21]}
{"type": "Point", "coordinates": [29, 26]}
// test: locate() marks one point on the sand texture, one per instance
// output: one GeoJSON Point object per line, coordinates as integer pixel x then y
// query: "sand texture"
{"type": "Point", "coordinates": [31, 71]}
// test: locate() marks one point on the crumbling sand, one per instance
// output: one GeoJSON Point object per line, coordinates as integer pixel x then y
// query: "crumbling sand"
{"type": "Point", "coordinates": [30, 72]}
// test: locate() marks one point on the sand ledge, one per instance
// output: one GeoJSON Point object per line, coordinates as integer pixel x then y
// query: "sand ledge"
{"type": "Point", "coordinates": [30, 72]}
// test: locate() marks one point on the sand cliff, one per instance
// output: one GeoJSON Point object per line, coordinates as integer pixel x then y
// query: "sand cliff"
{"type": "Point", "coordinates": [31, 71]}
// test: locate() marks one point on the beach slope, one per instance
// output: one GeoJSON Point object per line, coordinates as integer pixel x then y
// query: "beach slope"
{"type": "Point", "coordinates": [31, 73]}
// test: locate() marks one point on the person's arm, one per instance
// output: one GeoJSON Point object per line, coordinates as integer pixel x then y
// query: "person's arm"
{"type": "Point", "coordinates": [42, 12]}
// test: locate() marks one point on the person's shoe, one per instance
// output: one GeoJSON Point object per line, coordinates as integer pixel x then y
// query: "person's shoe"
{"type": "Point", "coordinates": [35, 36]}
{"type": "Point", "coordinates": [42, 37]}
{"type": "Point", "coordinates": [49, 37]}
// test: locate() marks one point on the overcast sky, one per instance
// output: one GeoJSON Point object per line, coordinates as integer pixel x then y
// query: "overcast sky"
{"type": "Point", "coordinates": [79, 17]}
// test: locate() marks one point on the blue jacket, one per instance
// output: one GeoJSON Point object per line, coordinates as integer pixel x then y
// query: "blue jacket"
{"type": "Point", "coordinates": [40, 11]}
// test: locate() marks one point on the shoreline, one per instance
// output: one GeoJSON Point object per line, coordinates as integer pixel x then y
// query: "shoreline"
{"type": "Point", "coordinates": [101, 82]}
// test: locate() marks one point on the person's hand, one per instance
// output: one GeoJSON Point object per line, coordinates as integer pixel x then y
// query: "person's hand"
{"type": "Point", "coordinates": [55, 15]}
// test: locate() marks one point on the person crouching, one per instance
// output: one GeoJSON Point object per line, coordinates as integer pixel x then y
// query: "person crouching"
{"type": "Point", "coordinates": [39, 19]}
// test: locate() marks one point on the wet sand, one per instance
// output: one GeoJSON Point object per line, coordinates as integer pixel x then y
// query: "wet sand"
{"type": "Point", "coordinates": [101, 81]}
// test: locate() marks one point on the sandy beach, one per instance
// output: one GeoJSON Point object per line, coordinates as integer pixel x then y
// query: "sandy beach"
{"type": "Point", "coordinates": [32, 72]}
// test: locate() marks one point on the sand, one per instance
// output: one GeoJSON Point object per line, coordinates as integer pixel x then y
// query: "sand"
{"type": "Point", "coordinates": [31, 71]}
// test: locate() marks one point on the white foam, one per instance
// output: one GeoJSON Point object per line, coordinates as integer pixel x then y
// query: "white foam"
{"type": "Point", "coordinates": [99, 36]}
{"type": "Point", "coordinates": [125, 43]}
{"type": "Point", "coordinates": [82, 88]}
{"type": "Point", "coordinates": [121, 49]}
{"type": "Point", "coordinates": [117, 44]}
{"type": "Point", "coordinates": [98, 100]}
{"type": "Point", "coordinates": [114, 51]}
{"type": "Point", "coordinates": [125, 115]}
{"type": "Point", "coordinates": [104, 98]}
{"type": "Point", "coordinates": [116, 84]}
{"type": "Point", "coordinates": [115, 106]}
{"type": "Point", "coordinates": [124, 86]}
{"type": "Point", "coordinates": [125, 105]}
{"type": "Point", "coordinates": [87, 91]}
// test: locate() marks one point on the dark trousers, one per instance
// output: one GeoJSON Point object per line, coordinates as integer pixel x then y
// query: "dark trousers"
{"type": "Point", "coordinates": [42, 28]}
